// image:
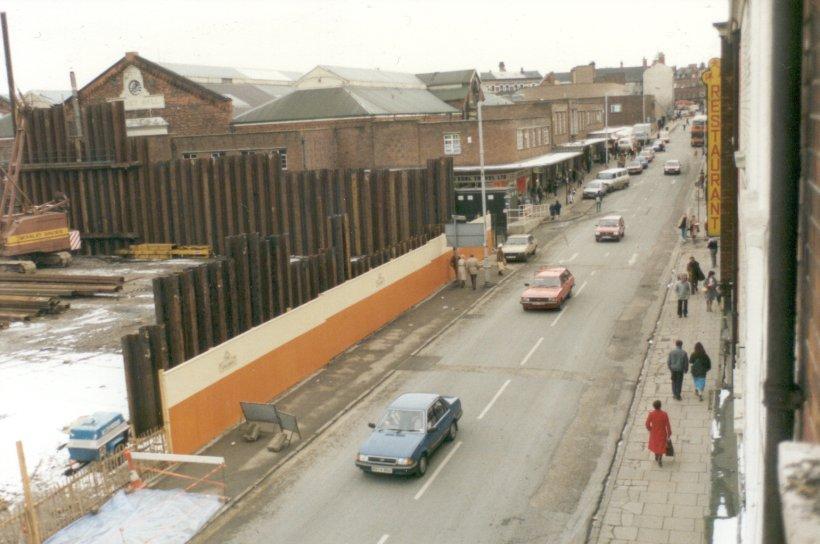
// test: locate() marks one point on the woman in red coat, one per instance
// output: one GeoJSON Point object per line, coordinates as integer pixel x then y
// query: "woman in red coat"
{"type": "Point", "coordinates": [657, 423]}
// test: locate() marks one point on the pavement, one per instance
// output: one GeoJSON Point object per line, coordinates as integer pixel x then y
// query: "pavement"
{"type": "Point", "coordinates": [669, 504]}
{"type": "Point", "coordinates": [546, 396]}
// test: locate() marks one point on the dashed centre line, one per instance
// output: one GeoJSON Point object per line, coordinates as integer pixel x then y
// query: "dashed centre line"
{"type": "Point", "coordinates": [582, 286]}
{"type": "Point", "coordinates": [633, 259]}
{"type": "Point", "coordinates": [529, 354]}
{"type": "Point", "coordinates": [556, 319]}
{"type": "Point", "coordinates": [432, 478]}
{"type": "Point", "coordinates": [383, 539]}
{"type": "Point", "coordinates": [492, 401]}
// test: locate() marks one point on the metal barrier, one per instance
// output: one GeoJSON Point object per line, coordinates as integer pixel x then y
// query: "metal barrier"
{"type": "Point", "coordinates": [527, 212]}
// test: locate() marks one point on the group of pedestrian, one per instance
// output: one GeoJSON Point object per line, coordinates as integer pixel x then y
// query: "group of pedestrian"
{"type": "Point", "coordinates": [679, 363]}
{"type": "Point", "coordinates": [465, 267]}
{"type": "Point", "coordinates": [687, 285]}
{"type": "Point", "coordinates": [689, 227]}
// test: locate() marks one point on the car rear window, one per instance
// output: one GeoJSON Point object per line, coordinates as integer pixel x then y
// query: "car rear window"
{"type": "Point", "coordinates": [514, 241]}
{"type": "Point", "coordinates": [548, 281]}
{"type": "Point", "coordinates": [609, 223]}
{"type": "Point", "coordinates": [606, 175]}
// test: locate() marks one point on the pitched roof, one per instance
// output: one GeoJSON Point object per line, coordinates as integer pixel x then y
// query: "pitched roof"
{"type": "Point", "coordinates": [246, 96]}
{"type": "Point", "coordinates": [491, 99]}
{"type": "Point", "coordinates": [453, 77]}
{"type": "Point", "coordinates": [200, 71]}
{"type": "Point", "coordinates": [341, 102]}
{"type": "Point", "coordinates": [157, 69]}
{"type": "Point", "coordinates": [632, 74]}
{"type": "Point", "coordinates": [526, 74]}
{"type": "Point", "coordinates": [364, 76]}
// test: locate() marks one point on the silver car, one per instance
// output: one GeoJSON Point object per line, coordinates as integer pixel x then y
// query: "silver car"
{"type": "Point", "coordinates": [519, 247]}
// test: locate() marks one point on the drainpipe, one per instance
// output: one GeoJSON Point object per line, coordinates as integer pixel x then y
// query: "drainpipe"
{"type": "Point", "coordinates": [781, 396]}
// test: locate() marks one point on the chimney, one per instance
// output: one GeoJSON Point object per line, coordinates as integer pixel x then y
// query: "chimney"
{"type": "Point", "coordinates": [644, 62]}
{"type": "Point", "coordinates": [131, 55]}
{"type": "Point", "coordinates": [501, 67]}
{"type": "Point", "coordinates": [622, 64]}
{"type": "Point", "coordinates": [661, 58]}
{"type": "Point", "coordinates": [522, 69]}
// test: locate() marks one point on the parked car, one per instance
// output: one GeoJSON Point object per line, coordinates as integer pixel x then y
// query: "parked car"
{"type": "Point", "coordinates": [519, 247]}
{"type": "Point", "coordinates": [614, 178]}
{"type": "Point", "coordinates": [658, 146]}
{"type": "Point", "coordinates": [594, 188]}
{"type": "Point", "coordinates": [626, 144]}
{"type": "Point", "coordinates": [610, 227]}
{"type": "Point", "coordinates": [412, 428]}
{"type": "Point", "coordinates": [634, 167]}
{"type": "Point", "coordinates": [648, 153]}
{"type": "Point", "coordinates": [664, 135]}
{"type": "Point", "coordinates": [548, 290]}
{"type": "Point", "coordinates": [643, 160]}
{"type": "Point", "coordinates": [671, 167]}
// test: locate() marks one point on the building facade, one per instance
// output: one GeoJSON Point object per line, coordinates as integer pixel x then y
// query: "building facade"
{"type": "Point", "coordinates": [659, 81]}
{"type": "Point", "coordinates": [505, 82]}
{"type": "Point", "coordinates": [688, 85]}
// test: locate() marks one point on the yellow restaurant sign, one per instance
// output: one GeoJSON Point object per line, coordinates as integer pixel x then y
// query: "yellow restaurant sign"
{"type": "Point", "coordinates": [711, 78]}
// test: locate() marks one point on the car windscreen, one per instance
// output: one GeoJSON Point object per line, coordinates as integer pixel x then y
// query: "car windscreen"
{"type": "Point", "coordinates": [402, 420]}
{"type": "Point", "coordinates": [594, 185]}
{"type": "Point", "coordinates": [673, 163]}
{"type": "Point", "coordinates": [606, 175]}
{"type": "Point", "coordinates": [516, 241]}
{"type": "Point", "coordinates": [608, 223]}
{"type": "Point", "coordinates": [549, 281]}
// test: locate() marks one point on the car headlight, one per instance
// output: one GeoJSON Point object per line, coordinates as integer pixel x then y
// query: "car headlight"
{"type": "Point", "coordinates": [524, 299]}
{"type": "Point", "coordinates": [362, 458]}
{"type": "Point", "coordinates": [404, 461]}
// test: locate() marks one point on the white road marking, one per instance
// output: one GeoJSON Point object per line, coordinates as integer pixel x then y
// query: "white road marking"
{"type": "Point", "coordinates": [495, 398]}
{"type": "Point", "coordinates": [433, 476]}
{"type": "Point", "coordinates": [581, 288]}
{"type": "Point", "coordinates": [606, 254]}
{"type": "Point", "coordinates": [574, 255]}
{"type": "Point", "coordinates": [535, 347]}
{"type": "Point", "coordinates": [592, 273]}
{"type": "Point", "coordinates": [673, 181]}
{"type": "Point", "coordinates": [383, 539]}
{"type": "Point", "coordinates": [633, 259]}
{"type": "Point", "coordinates": [556, 319]}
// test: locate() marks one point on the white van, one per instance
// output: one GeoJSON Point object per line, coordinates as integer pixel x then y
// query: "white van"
{"type": "Point", "coordinates": [614, 178]}
{"type": "Point", "coordinates": [626, 144]}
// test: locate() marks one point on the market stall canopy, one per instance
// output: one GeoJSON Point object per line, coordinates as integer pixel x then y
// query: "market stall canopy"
{"type": "Point", "coordinates": [535, 162]}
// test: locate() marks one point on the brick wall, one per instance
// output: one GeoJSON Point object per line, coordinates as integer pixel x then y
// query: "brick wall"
{"type": "Point", "coordinates": [187, 112]}
{"type": "Point", "coordinates": [808, 313]}
{"type": "Point", "coordinates": [631, 109]}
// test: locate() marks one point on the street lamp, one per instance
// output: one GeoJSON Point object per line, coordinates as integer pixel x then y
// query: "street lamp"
{"type": "Point", "coordinates": [606, 127]}
{"type": "Point", "coordinates": [486, 261]}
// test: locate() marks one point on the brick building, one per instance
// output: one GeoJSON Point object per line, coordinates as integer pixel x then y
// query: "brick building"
{"type": "Point", "coordinates": [460, 89]}
{"type": "Point", "coordinates": [688, 85]}
{"type": "Point", "coordinates": [157, 100]}
{"type": "Point", "coordinates": [507, 83]}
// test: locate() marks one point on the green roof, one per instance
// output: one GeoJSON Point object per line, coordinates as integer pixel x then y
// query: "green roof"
{"type": "Point", "coordinates": [336, 102]}
{"type": "Point", "coordinates": [453, 77]}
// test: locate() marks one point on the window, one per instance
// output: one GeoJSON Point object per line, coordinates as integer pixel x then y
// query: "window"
{"type": "Point", "coordinates": [283, 156]}
{"type": "Point", "coordinates": [614, 108]}
{"type": "Point", "coordinates": [217, 154]}
{"type": "Point", "coordinates": [452, 143]}
{"type": "Point", "coordinates": [519, 139]}
{"type": "Point", "coordinates": [527, 138]}
{"type": "Point", "coordinates": [190, 156]}
{"type": "Point", "coordinates": [545, 135]}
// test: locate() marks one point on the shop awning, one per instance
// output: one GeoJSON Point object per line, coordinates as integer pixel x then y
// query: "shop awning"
{"type": "Point", "coordinates": [535, 162]}
{"type": "Point", "coordinates": [584, 143]}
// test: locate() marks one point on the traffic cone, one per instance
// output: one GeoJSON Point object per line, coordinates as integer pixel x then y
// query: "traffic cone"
{"type": "Point", "coordinates": [135, 482]}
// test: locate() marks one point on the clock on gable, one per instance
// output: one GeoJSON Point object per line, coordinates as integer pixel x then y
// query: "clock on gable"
{"type": "Point", "coordinates": [135, 87]}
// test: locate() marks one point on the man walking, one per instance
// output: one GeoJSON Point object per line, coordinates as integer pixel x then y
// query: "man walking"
{"type": "Point", "coordinates": [713, 249]}
{"type": "Point", "coordinates": [683, 225]}
{"type": "Point", "coordinates": [678, 363]}
{"type": "Point", "coordinates": [695, 274]}
{"type": "Point", "coordinates": [598, 201]}
{"type": "Point", "coordinates": [682, 291]}
{"type": "Point", "coordinates": [500, 260]}
{"type": "Point", "coordinates": [472, 269]}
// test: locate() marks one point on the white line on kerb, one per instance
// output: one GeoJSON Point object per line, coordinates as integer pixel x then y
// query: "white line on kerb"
{"type": "Point", "coordinates": [582, 287]}
{"type": "Point", "coordinates": [535, 347]}
{"type": "Point", "coordinates": [432, 477]}
{"type": "Point", "coordinates": [557, 318]}
{"type": "Point", "coordinates": [633, 258]}
{"type": "Point", "coordinates": [383, 539]}
{"type": "Point", "coordinates": [495, 398]}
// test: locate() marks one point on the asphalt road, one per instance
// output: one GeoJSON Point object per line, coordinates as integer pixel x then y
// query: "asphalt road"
{"type": "Point", "coordinates": [545, 396]}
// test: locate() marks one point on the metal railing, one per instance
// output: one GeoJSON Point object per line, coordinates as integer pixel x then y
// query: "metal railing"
{"type": "Point", "coordinates": [527, 212]}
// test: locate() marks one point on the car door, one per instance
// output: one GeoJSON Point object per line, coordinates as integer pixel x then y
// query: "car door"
{"type": "Point", "coordinates": [622, 227]}
{"type": "Point", "coordinates": [531, 244]}
{"type": "Point", "coordinates": [437, 425]}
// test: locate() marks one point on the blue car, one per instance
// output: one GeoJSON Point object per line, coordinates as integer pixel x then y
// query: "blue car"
{"type": "Point", "coordinates": [414, 425]}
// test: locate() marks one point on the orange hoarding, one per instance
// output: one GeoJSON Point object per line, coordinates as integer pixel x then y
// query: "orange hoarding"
{"type": "Point", "coordinates": [711, 78]}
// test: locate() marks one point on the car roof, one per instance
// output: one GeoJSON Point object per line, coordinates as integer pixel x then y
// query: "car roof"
{"type": "Point", "coordinates": [673, 160]}
{"type": "Point", "coordinates": [414, 401]}
{"type": "Point", "coordinates": [615, 217]}
{"type": "Point", "coordinates": [518, 236]}
{"type": "Point", "coordinates": [611, 170]}
{"type": "Point", "coordinates": [548, 272]}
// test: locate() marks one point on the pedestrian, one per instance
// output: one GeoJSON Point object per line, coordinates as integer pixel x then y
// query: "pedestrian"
{"type": "Point", "coordinates": [552, 211]}
{"type": "Point", "coordinates": [472, 269]}
{"type": "Point", "coordinates": [701, 364]}
{"type": "Point", "coordinates": [500, 260]}
{"type": "Point", "coordinates": [693, 227]}
{"type": "Point", "coordinates": [557, 207]}
{"type": "Point", "coordinates": [712, 244]}
{"type": "Point", "coordinates": [599, 200]}
{"type": "Point", "coordinates": [682, 290]}
{"type": "Point", "coordinates": [682, 225]}
{"type": "Point", "coordinates": [678, 364]}
{"type": "Point", "coordinates": [462, 271]}
{"type": "Point", "coordinates": [657, 423]}
{"type": "Point", "coordinates": [454, 263]}
{"type": "Point", "coordinates": [712, 294]}
{"type": "Point", "coordinates": [571, 196]}
{"type": "Point", "coordinates": [695, 274]}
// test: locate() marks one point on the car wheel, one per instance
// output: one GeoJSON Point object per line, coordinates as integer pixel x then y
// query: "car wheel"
{"type": "Point", "coordinates": [597, 239]}
{"type": "Point", "coordinates": [569, 295]}
{"type": "Point", "coordinates": [452, 432]}
{"type": "Point", "coordinates": [422, 467]}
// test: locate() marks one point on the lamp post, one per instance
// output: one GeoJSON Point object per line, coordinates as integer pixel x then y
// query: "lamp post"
{"type": "Point", "coordinates": [486, 261]}
{"type": "Point", "coordinates": [606, 127]}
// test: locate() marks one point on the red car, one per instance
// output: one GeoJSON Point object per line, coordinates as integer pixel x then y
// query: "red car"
{"type": "Point", "coordinates": [610, 227]}
{"type": "Point", "coordinates": [548, 290]}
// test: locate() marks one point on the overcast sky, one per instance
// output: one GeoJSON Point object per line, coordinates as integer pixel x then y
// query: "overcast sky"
{"type": "Point", "coordinates": [50, 38]}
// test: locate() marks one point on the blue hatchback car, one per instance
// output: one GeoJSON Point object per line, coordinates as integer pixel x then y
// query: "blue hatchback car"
{"type": "Point", "coordinates": [414, 425]}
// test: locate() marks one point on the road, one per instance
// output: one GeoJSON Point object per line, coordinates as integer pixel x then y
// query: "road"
{"type": "Point", "coordinates": [545, 397]}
